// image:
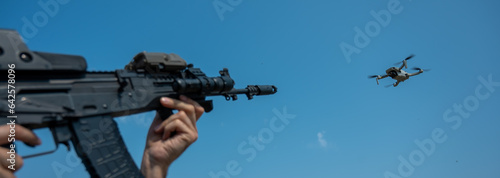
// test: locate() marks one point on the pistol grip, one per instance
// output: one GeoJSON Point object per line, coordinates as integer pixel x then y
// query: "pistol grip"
{"type": "Point", "coordinates": [164, 113]}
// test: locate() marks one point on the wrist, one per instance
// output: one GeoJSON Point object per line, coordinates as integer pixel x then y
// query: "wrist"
{"type": "Point", "coordinates": [151, 168]}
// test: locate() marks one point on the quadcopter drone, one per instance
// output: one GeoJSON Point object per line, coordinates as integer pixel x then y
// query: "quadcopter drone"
{"type": "Point", "coordinates": [399, 74]}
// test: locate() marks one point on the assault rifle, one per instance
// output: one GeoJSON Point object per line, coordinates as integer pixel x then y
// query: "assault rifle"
{"type": "Point", "coordinates": [55, 91]}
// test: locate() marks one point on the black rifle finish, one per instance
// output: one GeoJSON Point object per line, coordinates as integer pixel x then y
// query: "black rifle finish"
{"type": "Point", "coordinates": [56, 91]}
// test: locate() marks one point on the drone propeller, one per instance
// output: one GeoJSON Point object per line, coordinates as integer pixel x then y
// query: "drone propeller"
{"type": "Point", "coordinates": [417, 68]}
{"type": "Point", "coordinates": [375, 76]}
{"type": "Point", "coordinates": [407, 58]}
{"type": "Point", "coordinates": [390, 85]}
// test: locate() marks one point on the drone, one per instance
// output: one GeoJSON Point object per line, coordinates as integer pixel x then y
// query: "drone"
{"type": "Point", "coordinates": [399, 74]}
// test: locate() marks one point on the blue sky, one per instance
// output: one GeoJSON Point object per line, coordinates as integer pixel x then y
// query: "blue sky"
{"type": "Point", "coordinates": [340, 124]}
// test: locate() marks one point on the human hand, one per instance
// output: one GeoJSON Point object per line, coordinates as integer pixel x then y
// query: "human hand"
{"type": "Point", "coordinates": [8, 167]}
{"type": "Point", "coordinates": [169, 138]}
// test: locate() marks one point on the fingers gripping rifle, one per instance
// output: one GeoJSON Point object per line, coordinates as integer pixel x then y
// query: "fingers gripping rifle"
{"type": "Point", "coordinates": [56, 91]}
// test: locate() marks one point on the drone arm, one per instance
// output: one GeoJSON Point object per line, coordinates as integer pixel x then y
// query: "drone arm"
{"type": "Point", "coordinates": [403, 65]}
{"type": "Point", "coordinates": [416, 73]}
{"type": "Point", "coordinates": [381, 77]}
{"type": "Point", "coordinates": [396, 84]}
{"type": "Point", "coordinates": [384, 76]}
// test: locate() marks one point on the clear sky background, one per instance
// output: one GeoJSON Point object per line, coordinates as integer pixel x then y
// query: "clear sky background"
{"type": "Point", "coordinates": [344, 124]}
